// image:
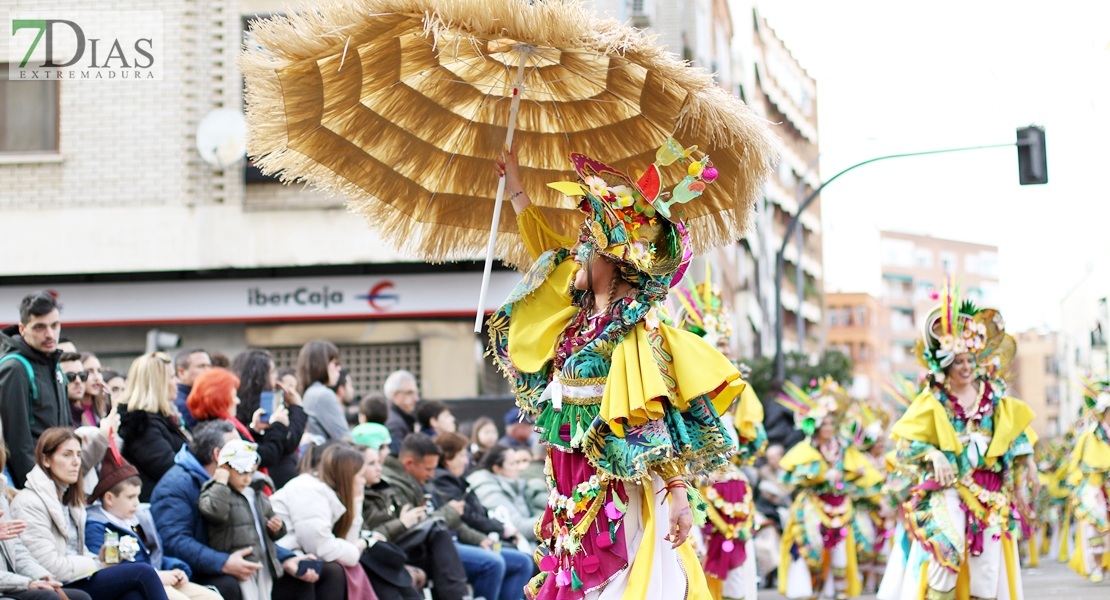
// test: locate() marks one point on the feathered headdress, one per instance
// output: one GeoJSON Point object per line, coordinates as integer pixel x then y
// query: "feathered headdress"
{"type": "Point", "coordinates": [902, 390]}
{"type": "Point", "coordinates": [702, 310]}
{"type": "Point", "coordinates": [865, 424]}
{"type": "Point", "coordinates": [1096, 394]}
{"type": "Point", "coordinates": [811, 407]}
{"type": "Point", "coordinates": [957, 327]}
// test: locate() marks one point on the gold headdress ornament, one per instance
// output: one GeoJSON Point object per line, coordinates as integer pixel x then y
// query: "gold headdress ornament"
{"type": "Point", "coordinates": [811, 407]}
{"type": "Point", "coordinates": [957, 327]}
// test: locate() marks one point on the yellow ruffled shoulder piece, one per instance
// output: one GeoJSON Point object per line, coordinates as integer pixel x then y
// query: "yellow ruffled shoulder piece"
{"type": "Point", "coordinates": [539, 319]}
{"type": "Point", "coordinates": [891, 458]}
{"type": "Point", "coordinates": [537, 234]}
{"type": "Point", "coordinates": [802, 453]}
{"type": "Point", "coordinates": [748, 413]}
{"type": "Point", "coordinates": [636, 387]}
{"type": "Point", "coordinates": [1090, 452]}
{"type": "Point", "coordinates": [854, 460]}
{"type": "Point", "coordinates": [1011, 418]}
{"type": "Point", "coordinates": [926, 421]}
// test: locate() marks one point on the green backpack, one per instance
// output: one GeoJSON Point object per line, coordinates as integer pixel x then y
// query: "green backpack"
{"type": "Point", "coordinates": [31, 376]}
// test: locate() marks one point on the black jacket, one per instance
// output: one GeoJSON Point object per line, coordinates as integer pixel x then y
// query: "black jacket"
{"type": "Point", "coordinates": [277, 446]}
{"type": "Point", "coordinates": [150, 442]}
{"type": "Point", "coordinates": [24, 419]}
{"type": "Point", "coordinates": [400, 424]}
{"type": "Point", "coordinates": [451, 487]}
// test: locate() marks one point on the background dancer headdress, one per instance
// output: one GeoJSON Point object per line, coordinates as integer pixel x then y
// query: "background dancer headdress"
{"type": "Point", "coordinates": [701, 309]}
{"type": "Point", "coordinates": [811, 407]}
{"type": "Point", "coordinates": [957, 327]}
{"type": "Point", "coordinates": [1096, 394]}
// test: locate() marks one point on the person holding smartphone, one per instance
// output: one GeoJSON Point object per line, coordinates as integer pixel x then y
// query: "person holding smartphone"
{"type": "Point", "coordinates": [261, 388]}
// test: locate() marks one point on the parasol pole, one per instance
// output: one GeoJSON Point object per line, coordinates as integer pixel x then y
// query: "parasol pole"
{"type": "Point", "coordinates": [514, 105]}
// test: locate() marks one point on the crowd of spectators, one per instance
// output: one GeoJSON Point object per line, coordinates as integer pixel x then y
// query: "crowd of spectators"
{"type": "Point", "coordinates": [206, 476]}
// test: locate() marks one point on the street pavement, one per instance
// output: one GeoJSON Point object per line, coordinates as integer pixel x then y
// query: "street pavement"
{"type": "Point", "coordinates": [1052, 580]}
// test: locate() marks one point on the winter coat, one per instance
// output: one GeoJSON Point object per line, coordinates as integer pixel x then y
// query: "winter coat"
{"type": "Point", "coordinates": [404, 489]}
{"type": "Point", "coordinates": [378, 512]}
{"type": "Point", "coordinates": [182, 407]}
{"type": "Point", "coordinates": [400, 424]}
{"type": "Point", "coordinates": [497, 492]}
{"type": "Point", "coordinates": [17, 568]}
{"type": "Point", "coordinates": [150, 443]}
{"type": "Point", "coordinates": [151, 550]}
{"type": "Point", "coordinates": [22, 417]}
{"type": "Point", "coordinates": [325, 413]}
{"type": "Point", "coordinates": [277, 446]}
{"type": "Point", "coordinates": [231, 522]}
{"type": "Point", "coordinates": [453, 487]}
{"type": "Point", "coordinates": [38, 505]}
{"type": "Point", "coordinates": [174, 505]}
{"type": "Point", "coordinates": [310, 509]}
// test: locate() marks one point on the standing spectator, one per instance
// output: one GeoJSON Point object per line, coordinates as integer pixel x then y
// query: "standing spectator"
{"type": "Point", "coordinates": [115, 382]}
{"type": "Point", "coordinates": [318, 371]}
{"type": "Point", "coordinates": [149, 425]}
{"type": "Point", "coordinates": [76, 380]}
{"type": "Point", "coordinates": [66, 345]}
{"type": "Point", "coordinates": [492, 575]}
{"type": "Point", "coordinates": [499, 488]}
{"type": "Point", "coordinates": [176, 511]}
{"type": "Point", "coordinates": [117, 509]}
{"type": "Point", "coordinates": [32, 387]}
{"type": "Point", "coordinates": [96, 402]}
{"type": "Point", "coordinates": [482, 437]}
{"type": "Point", "coordinates": [435, 419]}
{"type": "Point", "coordinates": [189, 364]}
{"type": "Point", "coordinates": [400, 388]}
{"type": "Point", "coordinates": [53, 507]}
{"type": "Point", "coordinates": [288, 376]}
{"type": "Point", "coordinates": [21, 576]}
{"type": "Point", "coordinates": [345, 391]}
{"type": "Point", "coordinates": [257, 374]}
{"type": "Point", "coordinates": [518, 435]}
{"type": "Point", "coordinates": [373, 408]}
{"type": "Point", "coordinates": [239, 515]}
{"type": "Point", "coordinates": [219, 359]}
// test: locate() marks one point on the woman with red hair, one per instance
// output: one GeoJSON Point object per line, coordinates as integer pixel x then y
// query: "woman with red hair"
{"type": "Point", "coordinates": [215, 396]}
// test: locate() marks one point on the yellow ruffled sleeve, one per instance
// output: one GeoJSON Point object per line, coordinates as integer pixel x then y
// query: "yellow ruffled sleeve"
{"type": "Point", "coordinates": [638, 384]}
{"type": "Point", "coordinates": [537, 233]}
{"type": "Point", "coordinates": [802, 453]}
{"type": "Point", "coordinates": [748, 414]}
{"type": "Point", "coordinates": [854, 460]}
{"type": "Point", "coordinates": [539, 318]}
{"type": "Point", "coordinates": [1090, 452]}
{"type": "Point", "coordinates": [1011, 418]}
{"type": "Point", "coordinates": [926, 421]}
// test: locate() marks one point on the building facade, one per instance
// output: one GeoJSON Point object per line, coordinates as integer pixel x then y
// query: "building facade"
{"type": "Point", "coordinates": [1083, 337]}
{"type": "Point", "coordinates": [859, 326]}
{"type": "Point", "coordinates": [914, 269]}
{"type": "Point", "coordinates": [1036, 380]}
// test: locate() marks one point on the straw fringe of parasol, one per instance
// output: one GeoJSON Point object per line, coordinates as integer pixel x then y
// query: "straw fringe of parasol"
{"type": "Point", "coordinates": [326, 104]}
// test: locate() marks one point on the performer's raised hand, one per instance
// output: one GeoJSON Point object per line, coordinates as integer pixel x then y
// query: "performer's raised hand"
{"type": "Point", "coordinates": [507, 167]}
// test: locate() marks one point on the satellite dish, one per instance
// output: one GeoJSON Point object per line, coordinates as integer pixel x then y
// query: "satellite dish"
{"type": "Point", "coordinates": [222, 137]}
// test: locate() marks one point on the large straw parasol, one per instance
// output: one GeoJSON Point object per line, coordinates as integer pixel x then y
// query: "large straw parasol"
{"type": "Point", "coordinates": [404, 105]}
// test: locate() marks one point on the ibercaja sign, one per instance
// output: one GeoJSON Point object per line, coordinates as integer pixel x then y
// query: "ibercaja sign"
{"type": "Point", "coordinates": [85, 45]}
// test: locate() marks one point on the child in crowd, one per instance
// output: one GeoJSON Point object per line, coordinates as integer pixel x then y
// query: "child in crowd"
{"type": "Point", "coordinates": [117, 509]}
{"type": "Point", "coordinates": [240, 516]}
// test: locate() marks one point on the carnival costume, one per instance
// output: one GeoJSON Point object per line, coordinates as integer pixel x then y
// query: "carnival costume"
{"type": "Point", "coordinates": [873, 523]}
{"type": "Point", "coordinates": [1089, 475]}
{"type": "Point", "coordinates": [726, 537]}
{"type": "Point", "coordinates": [964, 534]}
{"type": "Point", "coordinates": [901, 477]}
{"type": "Point", "coordinates": [818, 542]}
{"type": "Point", "coordinates": [622, 401]}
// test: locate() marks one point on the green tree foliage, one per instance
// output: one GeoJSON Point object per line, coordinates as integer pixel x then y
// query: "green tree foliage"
{"type": "Point", "coordinates": [833, 363]}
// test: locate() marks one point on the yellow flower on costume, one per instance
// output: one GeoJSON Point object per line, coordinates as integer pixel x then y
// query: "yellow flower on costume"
{"type": "Point", "coordinates": [623, 194]}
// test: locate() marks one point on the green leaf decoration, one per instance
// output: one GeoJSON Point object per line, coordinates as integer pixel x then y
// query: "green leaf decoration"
{"type": "Point", "coordinates": [621, 506]}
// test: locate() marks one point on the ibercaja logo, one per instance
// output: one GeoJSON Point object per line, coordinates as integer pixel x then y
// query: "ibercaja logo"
{"type": "Point", "coordinates": [85, 45]}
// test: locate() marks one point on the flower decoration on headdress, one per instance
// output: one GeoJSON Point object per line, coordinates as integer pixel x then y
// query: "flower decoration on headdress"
{"type": "Point", "coordinates": [637, 224]}
{"type": "Point", "coordinates": [811, 407]}
{"type": "Point", "coordinates": [958, 327]}
{"type": "Point", "coordinates": [701, 309]}
{"type": "Point", "coordinates": [1096, 394]}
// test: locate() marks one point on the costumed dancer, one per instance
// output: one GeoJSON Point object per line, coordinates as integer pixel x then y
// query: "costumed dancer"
{"type": "Point", "coordinates": [1089, 473]}
{"type": "Point", "coordinates": [627, 405]}
{"type": "Point", "coordinates": [971, 442]}
{"type": "Point", "coordinates": [726, 538]}
{"type": "Point", "coordinates": [901, 477]}
{"type": "Point", "coordinates": [874, 519]}
{"type": "Point", "coordinates": [819, 553]}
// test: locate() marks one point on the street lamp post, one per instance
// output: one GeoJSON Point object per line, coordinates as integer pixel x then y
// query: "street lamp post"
{"type": "Point", "coordinates": [780, 362]}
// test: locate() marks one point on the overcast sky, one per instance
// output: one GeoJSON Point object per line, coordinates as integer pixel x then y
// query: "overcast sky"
{"type": "Point", "coordinates": [906, 76]}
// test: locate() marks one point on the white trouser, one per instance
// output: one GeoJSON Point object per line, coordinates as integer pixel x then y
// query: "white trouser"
{"type": "Point", "coordinates": [799, 579]}
{"type": "Point", "coordinates": [985, 569]}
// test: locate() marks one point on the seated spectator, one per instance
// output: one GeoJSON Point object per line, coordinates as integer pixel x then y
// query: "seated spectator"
{"type": "Point", "coordinates": [95, 403]}
{"type": "Point", "coordinates": [493, 575]}
{"type": "Point", "coordinates": [483, 436]}
{"type": "Point", "coordinates": [53, 507]}
{"type": "Point", "coordinates": [518, 435]}
{"type": "Point", "coordinates": [174, 505]}
{"type": "Point", "coordinates": [435, 419]}
{"type": "Point", "coordinates": [219, 359]}
{"type": "Point", "coordinates": [115, 382]}
{"type": "Point", "coordinates": [215, 398]}
{"type": "Point", "coordinates": [449, 481]}
{"type": "Point", "coordinates": [375, 436]}
{"type": "Point", "coordinates": [318, 371]}
{"type": "Point", "coordinates": [21, 576]}
{"type": "Point", "coordinates": [373, 408]}
{"type": "Point", "coordinates": [498, 486]}
{"type": "Point", "coordinates": [149, 424]}
{"type": "Point", "coordinates": [345, 391]}
{"type": "Point", "coordinates": [238, 515]}
{"type": "Point", "coordinates": [117, 509]}
{"type": "Point", "coordinates": [188, 365]}
{"type": "Point", "coordinates": [403, 394]}
{"type": "Point", "coordinates": [322, 512]}
{"type": "Point", "coordinates": [389, 582]}
{"type": "Point", "coordinates": [66, 345]}
{"type": "Point", "coordinates": [257, 374]}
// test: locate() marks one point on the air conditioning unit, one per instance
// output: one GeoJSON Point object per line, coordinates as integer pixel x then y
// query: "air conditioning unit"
{"type": "Point", "coordinates": [640, 21]}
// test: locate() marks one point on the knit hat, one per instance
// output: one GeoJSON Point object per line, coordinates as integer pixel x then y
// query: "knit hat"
{"type": "Point", "coordinates": [113, 470]}
{"type": "Point", "coordinates": [374, 435]}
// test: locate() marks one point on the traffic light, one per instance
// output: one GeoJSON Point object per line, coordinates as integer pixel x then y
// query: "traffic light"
{"type": "Point", "coordinates": [1032, 160]}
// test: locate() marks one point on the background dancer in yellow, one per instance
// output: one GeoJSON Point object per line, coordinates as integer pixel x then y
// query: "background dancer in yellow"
{"type": "Point", "coordinates": [1089, 473]}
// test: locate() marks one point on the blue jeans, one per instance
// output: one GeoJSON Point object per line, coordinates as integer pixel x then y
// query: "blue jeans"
{"type": "Point", "coordinates": [496, 576]}
{"type": "Point", "coordinates": [125, 581]}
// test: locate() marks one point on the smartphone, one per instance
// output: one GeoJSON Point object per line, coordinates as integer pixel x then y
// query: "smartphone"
{"type": "Point", "coordinates": [306, 564]}
{"type": "Point", "coordinates": [267, 402]}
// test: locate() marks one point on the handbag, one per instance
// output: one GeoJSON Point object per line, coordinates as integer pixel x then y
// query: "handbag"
{"type": "Point", "coordinates": [413, 540]}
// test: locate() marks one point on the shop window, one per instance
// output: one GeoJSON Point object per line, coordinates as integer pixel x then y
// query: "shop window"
{"type": "Point", "coordinates": [368, 364]}
{"type": "Point", "coordinates": [28, 115]}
